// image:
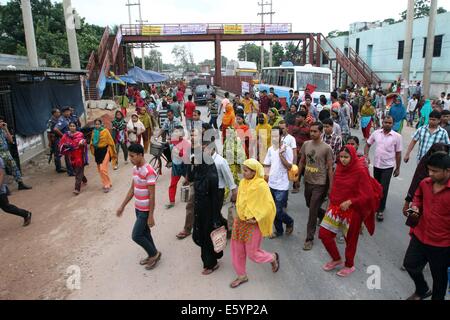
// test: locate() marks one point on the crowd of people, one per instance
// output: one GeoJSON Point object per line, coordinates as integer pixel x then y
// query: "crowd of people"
{"type": "Point", "coordinates": [267, 152]}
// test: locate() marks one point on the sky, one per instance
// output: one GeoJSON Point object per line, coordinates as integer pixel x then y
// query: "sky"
{"type": "Point", "coordinates": [305, 16]}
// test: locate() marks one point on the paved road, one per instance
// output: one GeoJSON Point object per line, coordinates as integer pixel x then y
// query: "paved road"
{"type": "Point", "coordinates": [115, 273]}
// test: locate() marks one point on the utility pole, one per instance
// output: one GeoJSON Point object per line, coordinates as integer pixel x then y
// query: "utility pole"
{"type": "Point", "coordinates": [408, 49]}
{"type": "Point", "coordinates": [29, 34]}
{"type": "Point", "coordinates": [271, 13]}
{"type": "Point", "coordinates": [71, 35]}
{"type": "Point", "coordinates": [429, 50]}
{"type": "Point", "coordinates": [262, 14]}
{"type": "Point", "coordinates": [140, 22]}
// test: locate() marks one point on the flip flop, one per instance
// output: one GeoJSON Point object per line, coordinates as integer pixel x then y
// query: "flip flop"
{"type": "Point", "coordinates": [277, 260]}
{"type": "Point", "coordinates": [183, 235]}
{"type": "Point", "coordinates": [236, 283]}
{"type": "Point", "coordinates": [153, 261]}
{"type": "Point", "coordinates": [207, 272]}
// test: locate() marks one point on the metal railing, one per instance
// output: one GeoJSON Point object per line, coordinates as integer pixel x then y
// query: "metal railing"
{"type": "Point", "coordinates": [205, 28]}
{"type": "Point", "coordinates": [364, 67]}
{"type": "Point", "coordinates": [350, 68]}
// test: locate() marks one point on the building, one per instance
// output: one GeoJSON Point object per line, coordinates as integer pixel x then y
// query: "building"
{"type": "Point", "coordinates": [381, 47]}
{"type": "Point", "coordinates": [17, 61]}
{"type": "Point", "coordinates": [27, 96]}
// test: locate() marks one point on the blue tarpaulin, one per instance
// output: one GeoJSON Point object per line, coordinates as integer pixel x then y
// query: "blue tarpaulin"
{"type": "Point", "coordinates": [145, 76]}
{"type": "Point", "coordinates": [125, 79]}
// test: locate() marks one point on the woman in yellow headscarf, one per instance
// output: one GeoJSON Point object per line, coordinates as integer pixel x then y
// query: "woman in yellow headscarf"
{"type": "Point", "coordinates": [263, 136]}
{"type": "Point", "coordinates": [146, 120]}
{"type": "Point", "coordinates": [255, 216]}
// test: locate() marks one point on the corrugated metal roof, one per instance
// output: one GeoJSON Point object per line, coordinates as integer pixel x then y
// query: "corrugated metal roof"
{"type": "Point", "coordinates": [43, 69]}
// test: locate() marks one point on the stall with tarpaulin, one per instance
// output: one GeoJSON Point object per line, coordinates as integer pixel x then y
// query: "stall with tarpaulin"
{"type": "Point", "coordinates": [27, 97]}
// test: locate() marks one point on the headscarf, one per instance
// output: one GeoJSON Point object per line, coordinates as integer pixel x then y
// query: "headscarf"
{"type": "Point", "coordinates": [96, 137]}
{"type": "Point", "coordinates": [146, 120]}
{"type": "Point", "coordinates": [229, 117]}
{"type": "Point", "coordinates": [275, 122]}
{"type": "Point", "coordinates": [422, 170]}
{"type": "Point", "coordinates": [353, 182]}
{"type": "Point", "coordinates": [254, 199]}
{"type": "Point", "coordinates": [425, 113]}
{"type": "Point", "coordinates": [398, 113]}
{"type": "Point", "coordinates": [119, 124]}
{"type": "Point", "coordinates": [70, 145]}
{"type": "Point", "coordinates": [267, 128]}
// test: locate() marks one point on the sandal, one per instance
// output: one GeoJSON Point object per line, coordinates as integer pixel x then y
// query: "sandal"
{"type": "Point", "coordinates": [207, 272]}
{"type": "Point", "coordinates": [145, 261]}
{"type": "Point", "coordinates": [380, 216]}
{"type": "Point", "coordinates": [236, 283]}
{"type": "Point", "coordinates": [169, 206]}
{"type": "Point", "coordinates": [153, 261]}
{"type": "Point", "coordinates": [415, 296]}
{"type": "Point", "coordinates": [182, 235]}
{"type": "Point", "coordinates": [346, 272]}
{"type": "Point", "coordinates": [289, 230]}
{"type": "Point", "coordinates": [276, 263]}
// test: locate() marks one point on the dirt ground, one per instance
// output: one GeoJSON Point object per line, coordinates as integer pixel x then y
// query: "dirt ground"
{"type": "Point", "coordinates": [34, 260]}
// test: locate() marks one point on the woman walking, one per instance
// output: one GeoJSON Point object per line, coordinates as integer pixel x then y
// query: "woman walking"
{"type": "Point", "coordinates": [228, 120]}
{"type": "Point", "coordinates": [255, 217]}
{"type": "Point", "coordinates": [274, 118]}
{"type": "Point", "coordinates": [135, 129]}
{"type": "Point", "coordinates": [242, 130]}
{"type": "Point", "coordinates": [104, 150]}
{"type": "Point", "coordinates": [398, 113]}
{"type": "Point", "coordinates": [263, 136]}
{"type": "Point", "coordinates": [146, 120]}
{"type": "Point", "coordinates": [367, 114]}
{"type": "Point", "coordinates": [354, 198]}
{"type": "Point", "coordinates": [207, 216]}
{"type": "Point", "coordinates": [74, 145]}
{"type": "Point", "coordinates": [119, 134]}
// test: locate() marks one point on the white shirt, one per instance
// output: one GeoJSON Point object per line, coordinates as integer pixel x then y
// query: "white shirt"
{"type": "Point", "coordinates": [223, 171]}
{"type": "Point", "coordinates": [289, 141]}
{"type": "Point", "coordinates": [447, 104]}
{"type": "Point", "coordinates": [278, 177]}
{"type": "Point", "coordinates": [412, 104]}
{"type": "Point", "coordinates": [225, 102]}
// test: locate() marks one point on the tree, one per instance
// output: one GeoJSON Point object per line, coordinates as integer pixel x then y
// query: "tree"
{"type": "Point", "coordinates": [184, 58]}
{"type": "Point", "coordinates": [337, 33]}
{"type": "Point", "coordinates": [421, 9]}
{"type": "Point", "coordinates": [293, 53]}
{"type": "Point", "coordinates": [50, 33]}
{"type": "Point", "coordinates": [212, 63]}
{"type": "Point", "coordinates": [153, 61]}
{"type": "Point", "coordinates": [253, 53]}
{"type": "Point", "coordinates": [277, 54]}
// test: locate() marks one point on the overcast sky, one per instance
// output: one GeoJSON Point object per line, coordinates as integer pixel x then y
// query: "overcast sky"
{"type": "Point", "coordinates": [305, 16]}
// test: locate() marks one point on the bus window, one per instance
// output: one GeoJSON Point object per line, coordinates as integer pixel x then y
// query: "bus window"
{"type": "Point", "coordinates": [273, 77]}
{"type": "Point", "coordinates": [281, 77]}
{"type": "Point", "coordinates": [289, 79]}
{"type": "Point", "coordinates": [321, 80]}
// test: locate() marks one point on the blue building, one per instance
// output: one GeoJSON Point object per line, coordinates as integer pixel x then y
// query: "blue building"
{"type": "Point", "coordinates": [381, 47]}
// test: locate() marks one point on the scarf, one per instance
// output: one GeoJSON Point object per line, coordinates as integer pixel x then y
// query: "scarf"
{"type": "Point", "coordinates": [96, 137]}
{"type": "Point", "coordinates": [229, 116]}
{"type": "Point", "coordinates": [398, 112]}
{"type": "Point", "coordinates": [254, 199]}
{"type": "Point", "coordinates": [233, 149]}
{"type": "Point", "coordinates": [425, 113]}
{"type": "Point", "coordinates": [353, 182]}
{"type": "Point", "coordinates": [266, 129]}
{"type": "Point", "coordinates": [70, 145]}
{"type": "Point", "coordinates": [275, 122]}
{"type": "Point", "coordinates": [146, 120]}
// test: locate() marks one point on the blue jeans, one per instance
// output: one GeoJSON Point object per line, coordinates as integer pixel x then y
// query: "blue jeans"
{"type": "Point", "coordinates": [213, 122]}
{"type": "Point", "coordinates": [281, 199]}
{"type": "Point", "coordinates": [142, 235]}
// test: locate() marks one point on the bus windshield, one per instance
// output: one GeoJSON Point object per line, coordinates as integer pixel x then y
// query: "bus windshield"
{"type": "Point", "coordinates": [321, 80]}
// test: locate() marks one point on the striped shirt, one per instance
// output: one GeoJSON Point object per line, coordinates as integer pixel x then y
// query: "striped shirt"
{"type": "Point", "coordinates": [143, 177]}
{"type": "Point", "coordinates": [427, 139]}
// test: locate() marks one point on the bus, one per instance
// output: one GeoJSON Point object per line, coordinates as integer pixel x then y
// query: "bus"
{"type": "Point", "coordinates": [285, 78]}
{"type": "Point", "coordinates": [242, 69]}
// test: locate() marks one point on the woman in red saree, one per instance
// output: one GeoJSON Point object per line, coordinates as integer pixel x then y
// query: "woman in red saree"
{"type": "Point", "coordinates": [74, 145]}
{"type": "Point", "coordinates": [354, 199]}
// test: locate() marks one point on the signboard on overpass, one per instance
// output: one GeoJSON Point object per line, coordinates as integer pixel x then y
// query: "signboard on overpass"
{"type": "Point", "coordinates": [277, 28]}
{"type": "Point", "coordinates": [194, 29]}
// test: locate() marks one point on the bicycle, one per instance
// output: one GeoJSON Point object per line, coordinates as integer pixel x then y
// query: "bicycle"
{"type": "Point", "coordinates": [157, 151]}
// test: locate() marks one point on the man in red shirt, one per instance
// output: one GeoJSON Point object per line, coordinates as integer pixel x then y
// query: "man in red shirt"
{"type": "Point", "coordinates": [264, 101]}
{"type": "Point", "coordinates": [189, 109]}
{"type": "Point", "coordinates": [430, 239]}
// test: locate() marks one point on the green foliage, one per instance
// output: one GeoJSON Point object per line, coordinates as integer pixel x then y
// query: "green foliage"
{"type": "Point", "coordinates": [337, 33]}
{"type": "Point", "coordinates": [421, 9]}
{"type": "Point", "coordinates": [50, 33]}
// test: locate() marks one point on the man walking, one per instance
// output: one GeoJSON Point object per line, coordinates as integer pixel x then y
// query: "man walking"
{"type": "Point", "coordinates": [278, 161]}
{"type": "Point", "coordinates": [430, 240]}
{"type": "Point", "coordinates": [8, 161]}
{"type": "Point", "coordinates": [143, 190]}
{"type": "Point", "coordinates": [330, 138]}
{"type": "Point", "coordinates": [317, 161]}
{"type": "Point", "coordinates": [388, 158]}
{"type": "Point", "coordinates": [4, 202]}
{"type": "Point", "coordinates": [427, 136]}
{"type": "Point", "coordinates": [189, 108]}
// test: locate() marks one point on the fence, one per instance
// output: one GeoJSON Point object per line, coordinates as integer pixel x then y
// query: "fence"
{"type": "Point", "coordinates": [233, 84]}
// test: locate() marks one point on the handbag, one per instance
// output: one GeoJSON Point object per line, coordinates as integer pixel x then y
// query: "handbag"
{"type": "Point", "coordinates": [413, 220]}
{"type": "Point", "coordinates": [219, 239]}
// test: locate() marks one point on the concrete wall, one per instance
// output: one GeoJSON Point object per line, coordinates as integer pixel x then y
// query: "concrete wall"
{"type": "Point", "coordinates": [385, 41]}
